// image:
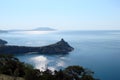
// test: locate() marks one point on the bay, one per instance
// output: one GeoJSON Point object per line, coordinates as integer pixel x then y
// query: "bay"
{"type": "Point", "coordinates": [98, 51]}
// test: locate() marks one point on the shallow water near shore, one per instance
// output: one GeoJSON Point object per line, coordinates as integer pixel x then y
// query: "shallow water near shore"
{"type": "Point", "coordinates": [96, 50]}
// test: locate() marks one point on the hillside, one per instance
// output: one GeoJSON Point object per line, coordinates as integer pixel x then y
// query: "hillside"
{"type": "Point", "coordinates": [6, 77]}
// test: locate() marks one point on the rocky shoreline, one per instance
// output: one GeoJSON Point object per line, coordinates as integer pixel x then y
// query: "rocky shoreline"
{"type": "Point", "coordinates": [61, 47]}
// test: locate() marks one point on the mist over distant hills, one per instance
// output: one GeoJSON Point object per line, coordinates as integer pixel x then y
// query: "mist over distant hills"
{"type": "Point", "coordinates": [36, 29]}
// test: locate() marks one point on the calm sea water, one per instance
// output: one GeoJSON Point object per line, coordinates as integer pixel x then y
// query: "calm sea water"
{"type": "Point", "coordinates": [98, 51]}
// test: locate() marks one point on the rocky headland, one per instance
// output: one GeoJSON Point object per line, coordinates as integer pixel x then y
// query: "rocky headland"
{"type": "Point", "coordinates": [2, 42]}
{"type": "Point", "coordinates": [61, 47]}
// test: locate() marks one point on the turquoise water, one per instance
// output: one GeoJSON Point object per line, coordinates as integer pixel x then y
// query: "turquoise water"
{"type": "Point", "coordinates": [95, 50]}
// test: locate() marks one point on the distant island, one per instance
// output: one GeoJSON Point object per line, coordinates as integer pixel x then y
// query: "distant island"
{"type": "Point", "coordinates": [43, 29]}
{"type": "Point", "coordinates": [61, 47]}
{"type": "Point", "coordinates": [36, 29]}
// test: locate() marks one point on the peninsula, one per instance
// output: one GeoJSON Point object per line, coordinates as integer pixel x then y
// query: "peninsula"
{"type": "Point", "coordinates": [61, 47]}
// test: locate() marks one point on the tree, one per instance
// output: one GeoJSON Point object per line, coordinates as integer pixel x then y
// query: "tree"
{"type": "Point", "coordinates": [59, 75]}
{"type": "Point", "coordinates": [78, 73]}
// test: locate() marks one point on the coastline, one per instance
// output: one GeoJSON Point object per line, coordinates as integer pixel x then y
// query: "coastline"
{"type": "Point", "coordinates": [61, 47]}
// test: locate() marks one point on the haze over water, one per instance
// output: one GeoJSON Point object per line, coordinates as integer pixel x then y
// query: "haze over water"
{"type": "Point", "coordinates": [96, 50]}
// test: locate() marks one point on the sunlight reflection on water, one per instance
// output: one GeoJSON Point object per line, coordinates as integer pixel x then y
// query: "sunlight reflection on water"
{"type": "Point", "coordinates": [33, 32]}
{"type": "Point", "coordinates": [40, 62]}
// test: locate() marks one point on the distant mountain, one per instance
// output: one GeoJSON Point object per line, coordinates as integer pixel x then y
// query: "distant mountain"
{"type": "Point", "coordinates": [44, 29]}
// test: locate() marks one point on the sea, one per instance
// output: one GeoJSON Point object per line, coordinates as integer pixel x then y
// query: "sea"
{"type": "Point", "coordinates": [96, 50]}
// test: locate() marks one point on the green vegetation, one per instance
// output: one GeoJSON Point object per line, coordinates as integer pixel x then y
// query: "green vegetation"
{"type": "Point", "coordinates": [11, 66]}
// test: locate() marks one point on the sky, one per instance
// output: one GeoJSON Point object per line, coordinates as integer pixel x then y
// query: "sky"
{"type": "Point", "coordinates": [60, 14]}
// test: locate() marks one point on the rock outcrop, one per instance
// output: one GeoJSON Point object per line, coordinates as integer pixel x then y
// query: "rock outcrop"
{"type": "Point", "coordinates": [60, 47]}
{"type": "Point", "coordinates": [2, 42]}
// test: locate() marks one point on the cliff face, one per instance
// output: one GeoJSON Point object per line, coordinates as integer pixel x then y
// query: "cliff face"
{"type": "Point", "coordinates": [60, 47]}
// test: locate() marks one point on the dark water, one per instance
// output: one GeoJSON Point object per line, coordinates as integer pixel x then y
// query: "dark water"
{"type": "Point", "coordinates": [96, 50]}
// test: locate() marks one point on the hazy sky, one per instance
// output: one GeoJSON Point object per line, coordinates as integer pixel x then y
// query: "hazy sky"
{"type": "Point", "coordinates": [60, 14]}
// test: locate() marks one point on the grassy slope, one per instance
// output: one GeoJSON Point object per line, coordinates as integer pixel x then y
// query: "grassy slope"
{"type": "Point", "coordinates": [6, 77]}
